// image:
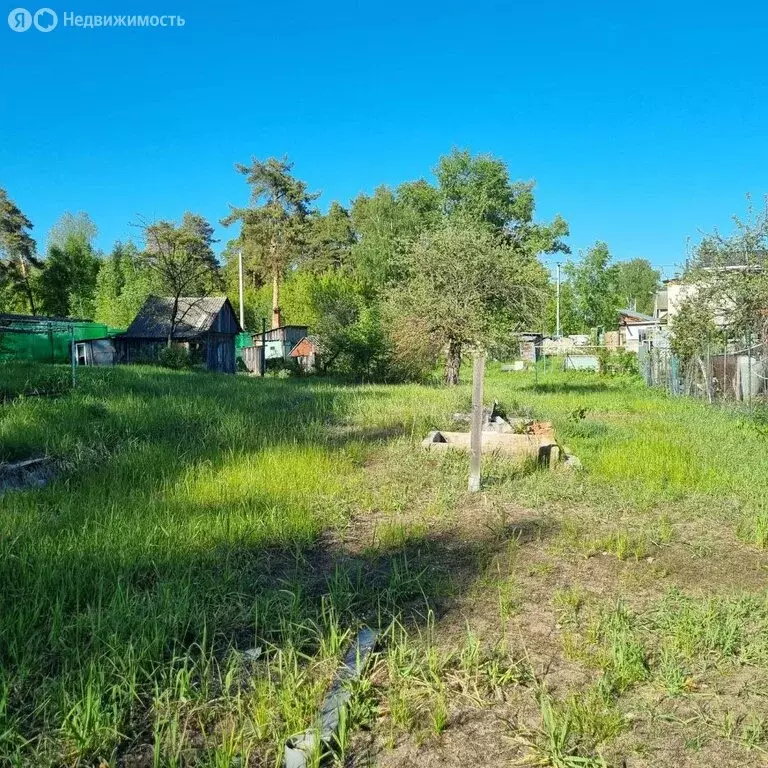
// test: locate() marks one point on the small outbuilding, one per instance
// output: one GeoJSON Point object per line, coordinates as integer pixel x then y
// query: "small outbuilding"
{"type": "Point", "coordinates": [95, 352]}
{"type": "Point", "coordinates": [279, 342]}
{"type": "Point", "coordinates": [530, 346]}
{"type": "Point", "coordinates": [205, 325]}
{"type": "Point", "coordinates": [635, 328]}
{"type": "Point", "coordinates": [306, 353]}
{"type": "Point", "coordinates": [49, 339]}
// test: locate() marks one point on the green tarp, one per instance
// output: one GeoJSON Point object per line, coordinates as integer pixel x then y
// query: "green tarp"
{"type": "Point", "coordinates": [243, 340]}
{"type": "Point", "coordinates": [47, 341]}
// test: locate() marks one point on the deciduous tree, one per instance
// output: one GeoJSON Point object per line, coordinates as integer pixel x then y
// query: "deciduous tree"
{"type": "Point", "coordinates": [67, 284]}
{"type": "Point", "coordinates": [477, 189]}
{"type": "Point", "coordinates": [122, 286]}
{"type": "Point", "coordinates": [468, 286]}
{"type": "Point", "coordinates": [637, 283]}
{"type": "Point", "coordinates": [592, 281]}
{"type": "Point", "coordinates": [728, 279]}
{"type": "Point", "coordinates": [181, 260]}
{"type": "Point", "coordinates": [331, 238]}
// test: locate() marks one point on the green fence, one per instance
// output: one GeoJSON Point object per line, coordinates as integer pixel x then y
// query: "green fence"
{"type": "Point", "coordinates": [47, 341]}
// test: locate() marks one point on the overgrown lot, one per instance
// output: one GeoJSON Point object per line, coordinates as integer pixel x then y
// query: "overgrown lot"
{"type": "Point", "coordinates": [180, 595]}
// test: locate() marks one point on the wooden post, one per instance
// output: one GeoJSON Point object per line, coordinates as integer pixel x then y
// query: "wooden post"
{"type": "Point", "coordinates": [749, 370]}
{"type": "Point", "coordinates": [476, 436]}
{"type": "Point", "coordinates": [73, 353]}
{"type": "Point", "coordinates": [263, 346]}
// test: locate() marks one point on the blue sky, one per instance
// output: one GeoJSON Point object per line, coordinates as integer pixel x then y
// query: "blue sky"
{"type": "Point", "coordinates": [641, 125]}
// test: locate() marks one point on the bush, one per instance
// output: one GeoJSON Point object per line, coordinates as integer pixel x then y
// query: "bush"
{"type": "Point", "coordinates": [278, 366]}
{"type": "Point", "coordinates": [617, 363]}
{"type": "Point", "coordinates": [413, 350]}
{"type": "Point", "coordinates": [175, 357]}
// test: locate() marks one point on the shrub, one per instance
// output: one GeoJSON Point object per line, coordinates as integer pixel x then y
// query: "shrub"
{"type": "Point", "coordinates": [617, 363]}
{"type": "Point", "coordinates": [175, 357]}
{"type": "Point", "coordinates": [413, 350]}
{"type": "Point", "coordinates": [278, 366]}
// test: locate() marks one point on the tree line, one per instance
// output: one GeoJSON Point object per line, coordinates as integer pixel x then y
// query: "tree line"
{"type": "Point", "coordinates": [388, 284]}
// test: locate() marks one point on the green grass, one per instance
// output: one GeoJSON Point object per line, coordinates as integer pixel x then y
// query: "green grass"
{"type": "Point", "coordinates": [33, 380]}
{"type": "Point", "coordinates": [195, 517]}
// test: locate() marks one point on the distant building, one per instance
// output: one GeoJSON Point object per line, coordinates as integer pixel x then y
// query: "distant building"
{"type": "Point", "coordinates": [564, 344]}
{"type": "Point", "coordinates": [530, 346]}
{"type": "Point", "coordinates": [671, 298]}
{"type": "Point", "coordinates": [278, 342]}
{"type": "Point", "coordinates": [206, 326]}
{"type": "Point", "coordinates": [635, 328]}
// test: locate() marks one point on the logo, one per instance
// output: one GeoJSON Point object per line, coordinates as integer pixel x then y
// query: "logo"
{"type": "Point", "coordinates": [20, 19]}
{"type": "Point", "coordinates": [46, 20]}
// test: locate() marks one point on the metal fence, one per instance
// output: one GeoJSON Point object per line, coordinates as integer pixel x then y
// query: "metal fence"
{"type": "Point", "coordinates": [724, 372]}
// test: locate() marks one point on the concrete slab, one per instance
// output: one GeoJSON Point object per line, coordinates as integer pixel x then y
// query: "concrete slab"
{"type": "Point", "coordinates": [542, 447]}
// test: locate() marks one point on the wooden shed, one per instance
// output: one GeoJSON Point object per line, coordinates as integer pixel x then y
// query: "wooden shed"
{"type": "Point", "coordinates": [205, 325]}
{"type": "Point", "coordinates": [530, 346]}
{"type": "Point", "coordinates": [278, 342]}
{"type": "Point", "coordinates": [95, 352]}
{"type": "Point", "coordinates": [306, 353]}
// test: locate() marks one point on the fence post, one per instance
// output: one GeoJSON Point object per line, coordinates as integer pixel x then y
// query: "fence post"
{"type": "Point", "coordinates": [73, 355]}
{"type": "Point", "coordinates": [749, 371]}
{"type": "Point", "coordinates": [263, 347]}
{"type": "Point", "coordinates": [476, 436]}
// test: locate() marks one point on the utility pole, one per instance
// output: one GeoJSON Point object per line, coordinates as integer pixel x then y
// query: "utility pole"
{"type": "Point", "coordinates": [557, 321]}
{"type": "Point", "coordinates": [240, 275]}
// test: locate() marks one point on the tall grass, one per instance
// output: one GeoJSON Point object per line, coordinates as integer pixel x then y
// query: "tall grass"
{"type": "Point", "coordinates": [182, 526]}
{"type": "Point", "coordinates": [181, 591]}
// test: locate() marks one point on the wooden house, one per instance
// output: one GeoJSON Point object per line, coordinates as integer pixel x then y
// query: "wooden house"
{"type": "Point", "coordinates": [206, 326]}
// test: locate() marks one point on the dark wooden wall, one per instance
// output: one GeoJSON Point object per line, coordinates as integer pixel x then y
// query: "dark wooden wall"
{"type": "Point", "coordinates": [252, 358]}
{"type": "Point", "coordinates": [226, 321]}
{"type": "Point", "coordinates": [220, 352]}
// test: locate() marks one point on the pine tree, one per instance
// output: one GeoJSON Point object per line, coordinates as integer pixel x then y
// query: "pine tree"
{"type": "Point", "coordinates": [17, 257]}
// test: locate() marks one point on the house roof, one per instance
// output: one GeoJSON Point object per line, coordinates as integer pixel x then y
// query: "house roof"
{"type": "Point", "coordinates": [637, 317]}
{"type": "Point", "coordinates": [311, 341]}
{"type": "Point", "coordinates": [196, 316]}
{"type": "Point", "coordinates": [302, 328]}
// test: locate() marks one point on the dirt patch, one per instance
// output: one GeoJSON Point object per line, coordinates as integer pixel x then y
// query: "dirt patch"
{"type": "Point", "coordinates": [520, 586]}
